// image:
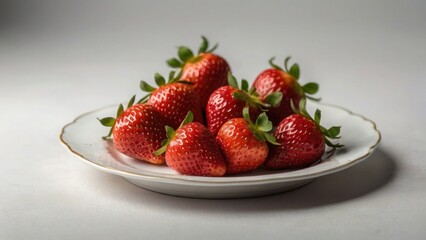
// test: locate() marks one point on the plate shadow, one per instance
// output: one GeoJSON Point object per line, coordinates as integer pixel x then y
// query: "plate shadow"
{"type": "Point", "coordinates": [362, 179]}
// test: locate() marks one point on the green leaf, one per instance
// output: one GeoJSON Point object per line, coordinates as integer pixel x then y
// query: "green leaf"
{"type": "Point", "coordinates": [240, 95]}
{"type": "Point", "coordinates": [271, 139]}
{"type": "Point", "coordinates": [146, 87]}
{"type": "Point", "coordinates": [174, 63]}
{"type": "Point", "coordinates": [178, 75]}
{"type": "Point", "coordinates": [274, 99]}
{"type": "Point", "coordinates": [313, 99]}
{"type": "Point", "coordinates": [246, 114]}
{"type": "Point", "coordinates": [252, 91]}
{"type": "Point", "coordinates": [271, 62]}
{"type": "Point", "coordinates": [120, 110]}
{"type": "Point", "coordinates": [261, 119]}
{"type": "Point", "coordinates": [293, 107]}
{"type": "Point", "coordinates": [330, 144]}
{"type": "Point", "coordinates": [324, 131]}
{"type": "Point", "coordinates": [213, 48]}
{"type": "Point", "coordinates": [165, 142]}
{"type": "Point", "coordinates": [295, 71]}
{"type": "Point", "coordinates": [259, 136]}
{"type": "Point", "coordinates": [244, 85]}
{"type": "Point", "coordinates": [143, 100]}
{"type": "Point", "coordinates": [107, 122]}
{"type": "Point", "coordinates": [266, 127]}
{"type": "Point", "coordinates": [302, 107]}
{"type": "Point", "coordinates": [317, 116]}
{"type": "Point", "coordinates": [311, 88]}
{"type": "Point", "coordinates": [159, 79]}
{"type": "Point", "coordinates": [286, 63]}
{"type": "Point", "coordinates": [188, 118]}
{"type": "Point", "coordinates": [334, 131]}
{"type": "Point", "coordinates": [132, 100]}
{"type": "Point", "coordinates": [108, 136]}
{"type": "Point", "coordinates": [204, 45]}
{"type": "Point", "coordinates": [169, 132]}
{"type": "Point", "coordinates": [171, 76]}
{"type": "Point", "coordinates": [185, 53]}
{"type": "Point", "coordinates": [161, 150]}
{"type": "Point", "coordinates": [232, 81]}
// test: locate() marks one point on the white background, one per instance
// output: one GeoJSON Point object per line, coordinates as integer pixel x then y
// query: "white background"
{"type": "Point", "coordinates": [60, 59]}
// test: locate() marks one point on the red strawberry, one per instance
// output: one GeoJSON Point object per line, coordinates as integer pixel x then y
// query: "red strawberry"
{"type": "Point", "coordinates": [137, 131]}
{"type": "Point", "coordinates": [244, 143]}
{"type": "Point", "coordinates": [173, 99]}
{"type": "Point", "coordinates": [285, 81]}
{"type": "Point", "coordinates": [206, 70]}
{"type": "Point", "coordinates": [228, 102]}
{"type": "Point", "coordinates": [302, 140]}
{"type": "Point", "coordinates": [192, 150]}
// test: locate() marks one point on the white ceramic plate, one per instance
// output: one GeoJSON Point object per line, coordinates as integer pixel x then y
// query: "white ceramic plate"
{"type": "Point", "coordinates": [82, 138]}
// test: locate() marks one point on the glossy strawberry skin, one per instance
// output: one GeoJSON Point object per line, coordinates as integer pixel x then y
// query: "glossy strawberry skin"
{"type": "Point", "coordinates": [174, 101]}
{"type": "Point", "coordinates": [208, 73]}
{"type": "Point", "coordinates": [302, 144]}
{"type": "Point", "coordinates": [194, 151]}
{"type": "Point", "coordinates": [243, 151]}
{"type": "Point", "coordinates": [272, 80]}
{"type": "Point", "coordinates": [138, 132]}
{"type": "Point", "coordinates": [222, 106]}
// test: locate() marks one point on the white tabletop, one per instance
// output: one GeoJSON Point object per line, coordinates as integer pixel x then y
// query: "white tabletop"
{"type": "Point", "coordinates": [58, 60]}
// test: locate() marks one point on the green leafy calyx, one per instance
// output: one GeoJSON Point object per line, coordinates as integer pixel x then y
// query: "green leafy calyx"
{"type": "Point", "coordinates": [110, 121]}
{"type": "Point", "coordinates": [186, 55]}
{"type": "Point", "coordinates": [328, 134]}
{"type": "Point", "coordinates": [170, 134]}
{"type": "Point", "coordinates": [294, 70]}
{"type": "Point", "coordinates": [160, 81]}
{"type": "Point", "coordinates": [249, 95]}
{"type": "Point", "coordinates": [262, 128]}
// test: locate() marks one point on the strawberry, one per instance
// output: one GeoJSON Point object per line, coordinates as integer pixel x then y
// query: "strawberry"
{"type": "Point", "coordinates": [137, 131]}
{"type": "Point", "coordinates": [227, 102]}
{"type": "Point", "coordinates": [173, 99]}
{"type": "Point", "coordinates": [192, 150]}
{"type": "Point", "coordinates": [206, 70]}
{"type": "Point", "coordinates": [302, 140]}
{"type": "Point", "coordinates": [285, 81]}
{"type": "Point", "coordinates": [244, 143]}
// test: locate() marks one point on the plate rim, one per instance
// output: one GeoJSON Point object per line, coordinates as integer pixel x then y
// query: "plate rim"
{"type": "Point", "coordinates": [214, 180]}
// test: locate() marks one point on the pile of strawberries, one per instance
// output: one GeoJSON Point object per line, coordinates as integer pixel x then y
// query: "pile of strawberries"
{"type": "Point", "coordinates": [201, 122]}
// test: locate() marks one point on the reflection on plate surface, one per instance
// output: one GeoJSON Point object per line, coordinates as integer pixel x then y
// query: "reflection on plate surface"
{"type": "Point", "coordinates": [82, 138]}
